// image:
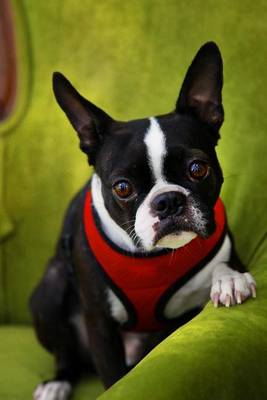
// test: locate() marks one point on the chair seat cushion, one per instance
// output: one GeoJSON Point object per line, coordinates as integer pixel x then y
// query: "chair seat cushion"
{"type": "Point", "coordinates": [24, 364]}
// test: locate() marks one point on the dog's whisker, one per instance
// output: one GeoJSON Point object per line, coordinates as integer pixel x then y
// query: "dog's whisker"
{"type": "Point", "coordinates": [128, 222]}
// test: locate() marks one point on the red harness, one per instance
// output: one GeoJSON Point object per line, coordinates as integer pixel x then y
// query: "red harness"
{"type": "Point", "coordinates": [141, 281]}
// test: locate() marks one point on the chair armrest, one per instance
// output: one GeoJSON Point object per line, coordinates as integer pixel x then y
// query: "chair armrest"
{"type": "Point", "coordinates": [220, 354]}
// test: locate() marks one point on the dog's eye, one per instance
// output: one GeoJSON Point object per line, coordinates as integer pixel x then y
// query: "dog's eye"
{"type": "Point", "coordinates": [198, 170]}
{"type": "Point", "coordinates": [123, 189]}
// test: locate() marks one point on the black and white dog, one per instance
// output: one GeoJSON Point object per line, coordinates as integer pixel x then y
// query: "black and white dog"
{"type": "Point", "coordinates": [145, 243]}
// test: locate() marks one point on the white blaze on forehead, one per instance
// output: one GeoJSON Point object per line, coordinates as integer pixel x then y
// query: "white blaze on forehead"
{"type": "Point", "coordinates": [156, 149]}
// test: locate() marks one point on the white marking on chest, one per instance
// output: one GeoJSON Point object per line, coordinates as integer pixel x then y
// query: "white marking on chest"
{"type": "Point", "coordinates": [195, 293]}
{"type": "Point", "coordinates": [156, 149]}
{"type": "Point", "coordinates": [117, 309]}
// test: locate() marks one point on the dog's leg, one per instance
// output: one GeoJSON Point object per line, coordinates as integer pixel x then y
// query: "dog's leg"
{"type": "Point", "coordinates": [106, 346]}
{"type": "Point", "coordinates": [231, 284]}
{"type": "Point", "coordinates": [50, 306]}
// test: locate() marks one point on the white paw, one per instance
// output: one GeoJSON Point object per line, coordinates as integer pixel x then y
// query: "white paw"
{"type": "Point", "coordinates": [230, 287]}
{"type": "Point", "coordinates": [54, 390]}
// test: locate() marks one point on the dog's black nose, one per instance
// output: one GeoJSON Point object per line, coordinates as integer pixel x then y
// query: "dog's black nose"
{"type": "Point", "coordinates": [167, 204]}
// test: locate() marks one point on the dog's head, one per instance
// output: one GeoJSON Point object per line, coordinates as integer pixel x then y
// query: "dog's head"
{"type": "Point", "coordinates": [157, 178]}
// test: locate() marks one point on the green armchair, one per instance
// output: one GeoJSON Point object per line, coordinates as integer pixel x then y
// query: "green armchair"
{"type": "Point", "coordinates": [130, 58]}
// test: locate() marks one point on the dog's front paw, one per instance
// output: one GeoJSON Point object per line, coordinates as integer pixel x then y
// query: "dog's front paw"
{"type": "Point", "coordinates": [230, 287]}
{"type": "Point", "coordinates": [53, 390]}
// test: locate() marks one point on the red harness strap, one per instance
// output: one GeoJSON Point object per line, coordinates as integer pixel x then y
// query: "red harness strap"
{"type": "Point", "coordinates": [142, 280]}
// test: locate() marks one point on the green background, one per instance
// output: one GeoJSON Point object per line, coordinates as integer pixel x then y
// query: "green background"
{"type": "Point", "coordinates": [130, 59]}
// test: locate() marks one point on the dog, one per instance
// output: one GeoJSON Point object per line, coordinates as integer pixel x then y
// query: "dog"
{"type": "Point", "coordinates": [145, 243]}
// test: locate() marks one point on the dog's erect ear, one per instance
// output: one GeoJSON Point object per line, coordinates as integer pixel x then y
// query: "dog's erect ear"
{"type": "Point", "coordinates": [88, 120]}
{"type": "Point", "coordinates": [201, 92]}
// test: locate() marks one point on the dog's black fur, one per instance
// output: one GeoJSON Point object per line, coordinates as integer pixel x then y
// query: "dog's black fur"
{"type": "Point", "coordinates": [71, 283]}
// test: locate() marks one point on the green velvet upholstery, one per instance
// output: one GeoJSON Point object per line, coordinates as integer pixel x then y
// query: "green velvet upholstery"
{"type": "Point", "coordinates": [130, 58]}
{"type": "Point", "coordinates": [24, 364]}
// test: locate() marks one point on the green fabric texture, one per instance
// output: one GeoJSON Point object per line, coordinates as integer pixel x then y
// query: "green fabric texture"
{"type": "Point", "coordinates": [24, 364]}
{"type": "Point", "coordinates": [129, 58]}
